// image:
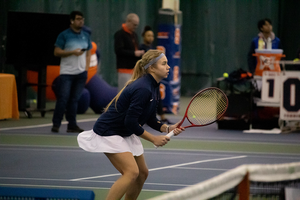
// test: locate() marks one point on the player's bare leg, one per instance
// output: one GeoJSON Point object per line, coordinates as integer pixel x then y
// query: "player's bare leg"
{"type": "Point", "coordinates": [127, 166]}
{"type": "Point", "coordinates": [136, 187]}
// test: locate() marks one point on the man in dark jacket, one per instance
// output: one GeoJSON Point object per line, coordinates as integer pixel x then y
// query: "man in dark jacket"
{"type": "Point", "coordinates": [127, 49]}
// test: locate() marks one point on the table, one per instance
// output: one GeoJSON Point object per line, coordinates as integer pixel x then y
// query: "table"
{"type": "Point", "coordinates": [267, 59]}
{"type": "Point", "coordinates": [8, 97]}
{"type": "Point", "coordinates": [22, 85]}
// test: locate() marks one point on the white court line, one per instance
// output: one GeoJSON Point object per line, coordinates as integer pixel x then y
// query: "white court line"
{"type": "Point", "coordinates": [35, 179]}
{"type": "Point", "coordinates": [166, 167]}
{"type": "Point", "coordinates": [89, 181]}
{"type": "Point", "coordinates": [197, 162]}
{"type": "Point", "coordinates": [71, 187]}
{"type": "Point", "coordinates": [212, 153]}
{"type": "Point", "coordinates": [195, 168]}
{"type": "Point", "coordinates": [44, 125]}
{"type": "Point", "coordinates": [51, 186]}
{"type": "Point", "coordinates": [103, 176]}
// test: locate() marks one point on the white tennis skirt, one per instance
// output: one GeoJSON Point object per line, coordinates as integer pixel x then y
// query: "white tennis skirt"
{"type": "Point", "coordinates": [92, 142]}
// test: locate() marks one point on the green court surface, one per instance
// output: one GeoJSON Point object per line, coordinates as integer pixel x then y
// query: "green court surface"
{"type": "Point", "coordinates": [179, 144]}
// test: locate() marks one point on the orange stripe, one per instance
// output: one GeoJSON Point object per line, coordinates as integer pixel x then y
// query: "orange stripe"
{"type": "Point", "coordinates": [126, 29]}
{"type": "Point", "coordinates": [125, 71]}
{"type": "Point", "coordinates": [130, 32]}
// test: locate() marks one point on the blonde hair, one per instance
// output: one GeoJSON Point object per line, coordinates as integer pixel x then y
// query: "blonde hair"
{"type": "Point", "coordinates": [138, 72]}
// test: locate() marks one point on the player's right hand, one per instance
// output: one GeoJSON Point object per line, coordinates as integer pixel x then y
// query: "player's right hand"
{"type": "Point", "coordinates": [161, 140]}
{"type": "Point", "coordinates": [78, 52]}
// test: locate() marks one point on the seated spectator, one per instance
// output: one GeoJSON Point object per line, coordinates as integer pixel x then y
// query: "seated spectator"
{"type": "Point", "coordinates": [266, 30]}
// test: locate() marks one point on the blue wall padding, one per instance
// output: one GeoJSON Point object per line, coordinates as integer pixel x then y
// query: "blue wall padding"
{"type": "Point", "coordinates": [41, 194]}
{"type": "Point", "coordinates": [84, 101]}
{"type": "Point", "coordinates": [101, 93]}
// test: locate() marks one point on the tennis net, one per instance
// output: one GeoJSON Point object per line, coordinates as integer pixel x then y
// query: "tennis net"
{"type": "Point", "coordinates": [246, 182]}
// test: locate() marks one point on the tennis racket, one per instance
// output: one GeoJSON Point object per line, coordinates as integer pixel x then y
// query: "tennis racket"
{"type": "Point", "coordinates": [205, 108]}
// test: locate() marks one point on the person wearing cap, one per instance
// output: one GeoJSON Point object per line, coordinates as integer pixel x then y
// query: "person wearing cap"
{"type": "Point", "coordinates": [118, 130]}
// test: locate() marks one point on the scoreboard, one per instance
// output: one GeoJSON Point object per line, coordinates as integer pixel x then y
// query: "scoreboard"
{"type": "Point", "coordinates": [284, 88]}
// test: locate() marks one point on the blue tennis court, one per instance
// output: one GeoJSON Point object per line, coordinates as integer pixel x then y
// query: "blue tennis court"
{"type": "Point", "coordinates": [32, 156]}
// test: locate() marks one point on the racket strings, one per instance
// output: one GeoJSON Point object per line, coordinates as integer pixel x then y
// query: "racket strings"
{"type": "Point", "coordinates": [207, 107]}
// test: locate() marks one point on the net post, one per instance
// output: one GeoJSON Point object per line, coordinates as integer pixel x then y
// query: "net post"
{"type": "Point", "coordinates": [244, 188]}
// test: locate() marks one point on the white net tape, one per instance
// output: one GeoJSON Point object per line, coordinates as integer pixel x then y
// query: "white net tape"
{"type": "Point", "coordinates": [223, 182]}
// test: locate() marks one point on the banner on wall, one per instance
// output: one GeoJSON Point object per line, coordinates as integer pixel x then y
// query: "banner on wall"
{"type": "Point", "coordinates": [290, 98]}
{"type": "Point", "coordinates": [169, 41]}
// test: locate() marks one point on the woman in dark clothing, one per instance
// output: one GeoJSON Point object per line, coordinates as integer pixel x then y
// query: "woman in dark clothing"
{"type": "Point", "coordinates": [116, 132]}
{"type": "Point", "coordinates": [148, 38]}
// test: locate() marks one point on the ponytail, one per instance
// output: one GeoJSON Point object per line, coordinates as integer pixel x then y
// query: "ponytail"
{"type": "Point", "coordinates": [138, 72]}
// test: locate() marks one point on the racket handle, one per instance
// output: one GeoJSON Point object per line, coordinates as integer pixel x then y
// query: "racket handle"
{"type": "Point", "coordinates": [171, 134]}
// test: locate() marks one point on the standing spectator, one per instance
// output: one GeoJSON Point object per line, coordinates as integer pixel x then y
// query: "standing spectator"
{"type": "Point", "coordinates": [127, 51]}
{"type": "Point", "coordinates": [73, 46]}
{"type": "Point", "coordinates": [148, 38]}
{"type": "Point", "coordinates": [266, 30]}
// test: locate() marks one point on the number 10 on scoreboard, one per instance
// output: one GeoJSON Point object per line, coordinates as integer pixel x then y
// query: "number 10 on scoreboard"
{"type": "Point", "coordinates": [290, 100]}
{"type": "Point", "coordinates": [283, 88]}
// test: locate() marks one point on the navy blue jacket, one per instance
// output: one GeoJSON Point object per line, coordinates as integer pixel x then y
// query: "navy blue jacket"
{"type": "Point", "coordinates": [145, 47]}
{"type": "Point", "coordinates": [135, 107]}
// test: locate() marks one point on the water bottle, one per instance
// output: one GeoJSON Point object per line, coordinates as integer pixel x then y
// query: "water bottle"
{"type": "Point", "coordinates": [261, 43]}
{"type": "Point", "coordinates": [269, 43]}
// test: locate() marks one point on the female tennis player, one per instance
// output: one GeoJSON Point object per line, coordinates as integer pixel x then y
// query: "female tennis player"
{"type": "Point", "coordinates": [116, 132]}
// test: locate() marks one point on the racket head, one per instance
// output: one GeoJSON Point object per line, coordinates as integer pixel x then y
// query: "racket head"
{"type": "Point", "coordinates": [206, 107]}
